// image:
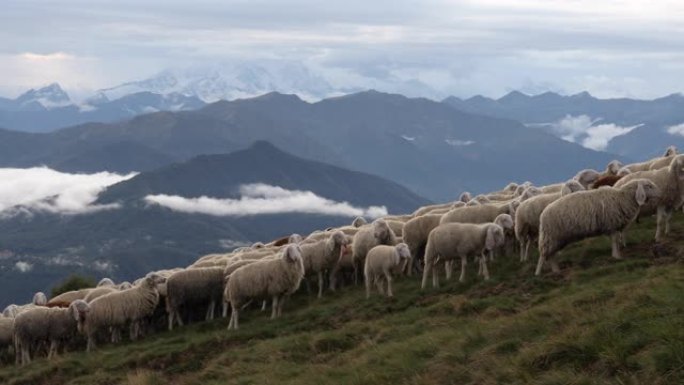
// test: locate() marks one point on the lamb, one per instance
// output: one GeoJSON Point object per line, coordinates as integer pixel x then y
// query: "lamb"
{"type": "Point", "coordinates": [117, 309]}
{"type": "Point", "coordinates": [451, 240]}
{"type": "Point", "coordinates": [270, 279]}
{"type": "Point", "coordinates": [480, 214]}
{"type": "Point", "coordinates": [670, 181]}
{"type": "Point", "coordinates": [590, 213]}
{"type": "Point", "coordinates": [42, 324]}
{"type": "Point", "coordinates": [193, 286]}
{"type": "Point", "coordinates": [322, 256]}
{"type": "Point", "coordinates": [527, 215]}
{"type": "Point", "coordinates": [416, 233]}
{"type": "Point", "coordinates": [377, 233]}
{"type": "Point", "coordinates": [381, 261]}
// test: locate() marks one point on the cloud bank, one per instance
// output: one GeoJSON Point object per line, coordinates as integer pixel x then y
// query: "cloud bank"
{"type": "Point", "coordinates": [259, 199]}
{"type": "Point", "coordinates": [41, 189]}
{"type": "Point", "coordinates": [676, 129]}
{"type": "Point", "coordinates": [583, 129]}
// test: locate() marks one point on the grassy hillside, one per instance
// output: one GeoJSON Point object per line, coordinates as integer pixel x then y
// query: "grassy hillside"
{"type": "Point", "coordinates": [601, 322]}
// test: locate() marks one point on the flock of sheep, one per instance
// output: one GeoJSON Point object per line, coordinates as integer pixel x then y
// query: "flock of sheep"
{"type": "Point", "coordinates": [428, 240]}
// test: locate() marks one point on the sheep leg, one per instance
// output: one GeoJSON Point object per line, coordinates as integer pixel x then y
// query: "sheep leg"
{"type": "Point", "coordinates": [234, 317]}
{"type": "Point", "coordinates": [623, 238]}
{"type": "Point", "coordinates": [210, 308]}
{"type": "Point", "coordinates": [668, 216]}
{"type": "Point", "coordinates": [522, 250]}
{"type": "Point", "coordinates": [435, 277]}
{"type": "Point", "coordinates": [615, 245]}
{"type": "Point", "coordinates": [281, 303]}
{"type": "Point", "coordinates": [388, 278]}
{"type": "Point", "coordinates": [448, 269]}
{"type": "Point", "coordinates": [25, 355]}
{"type": "Point", "coordinates": [274, 307]}
{"type": "Point", "coordinates": [659, 223]}
{"type": "Point", "coordinates": [263, 305]}
{"type": "Point", "coordinates": [540, 264]}
{"type": "Point", "coordinates": [91, 343]}
{"type": "Point", "coordinates": [171, 315]}
{"type": "Point", "coordinates": [179, 318]}
{"type": "Point", "coordinates": [483, 261]}
{"type": "Point", "coordinates": [379, 285]}
{"type": "Point", "coordinates": [426, 274]}
{"type": "Point", "coordinates": [464, 262]}
{"type": "Point", "coordinates": [224, 309]}
{"type": "Point", "coordinates": [367, 280]}
{"type": "Point", "coordinates": [320, 284]}
{"type": "Point", "coordinates": [333, 278]}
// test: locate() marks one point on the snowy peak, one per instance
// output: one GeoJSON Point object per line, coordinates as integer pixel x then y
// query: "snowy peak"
{"type": "Point", "coordinates": [51, 96]}
{"type": "Point", "coordinates": [231, 81]}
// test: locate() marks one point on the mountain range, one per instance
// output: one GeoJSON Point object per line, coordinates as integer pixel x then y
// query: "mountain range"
{"type": "Point", "coordinates": [636, 129]}
{"type": "Point", "coordinates": [430, 147]}
{"type": "Point", "coordinates": [138, 236]}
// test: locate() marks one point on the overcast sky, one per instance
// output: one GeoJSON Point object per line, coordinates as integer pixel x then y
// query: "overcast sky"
{"type": "Point", "coordinates": [610, 48]}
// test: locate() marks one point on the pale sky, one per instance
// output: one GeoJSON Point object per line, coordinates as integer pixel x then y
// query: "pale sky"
{"type": "Point", "coordinates": [609, 48]}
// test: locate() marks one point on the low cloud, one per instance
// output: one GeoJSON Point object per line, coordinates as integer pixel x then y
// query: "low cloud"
{"type": "Point", "coordinates": [583, 129]}
{"type": "Point", "coordinates": [676, 130]}
{"type": "Point", "coordinates": [258, 199]}
{"type": "Point", "coordinates": [23, 267]}
{"type": "Point", "coordinates": [41, 189]}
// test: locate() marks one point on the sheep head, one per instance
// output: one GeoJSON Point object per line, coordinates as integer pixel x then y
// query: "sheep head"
{"type": "Point", "coordinates": [359, 221]}
{"type": "Point", "coordinates": [494, 237]}
{"type": "Point", "coordinates": [613, 167]}
{"type": "Point", "coordinates": [39, 299]}
{"type": "Point", "coordinates": [465, 197]}
{"type": "Point", "coordinates": [670, 151]}
{"type": "Point", "coordinates": [677, 166]}
{"type": "Point", "coordinates": [645, 191]}
{"type": "Point", "coordinates": [105, 282]}
{"type": "Point", "coordinates": [505, 221]}
{"type": "Point", "coordinates": [79, 310]}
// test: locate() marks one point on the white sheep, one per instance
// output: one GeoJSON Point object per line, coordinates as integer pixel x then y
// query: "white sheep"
{"type": "Point", "coordinates": [49, 325]}
{"type": "Point", "coordinates": [480, 214]}
{"type": "Point", "coordinates": [527, 215]}
{"type": "Point", "coordinates": [369, 236]}
{"type": "Point", "coordinates": [201, 286]}
{"type": "Point", "coordinates": [321, 257]}
{"type": "Point", "coordinates": [416, 233]}
{"type": "Point", "coordinates": [670, 181]}
{"type": "Point", "coordinates": [449, 241]}
{"type": "Point", "coordinates": [662, 161]}
{"type": "Point", "coordinates": [116, 310]}
{"type": "Point", "coordinates": [583, 214]}
{"type": "Point", "coordinates": [586, 178]}
{"type": "Point", "coordinates": [380, 263]}
{"type": "Point", "coordinates": [273, 279]}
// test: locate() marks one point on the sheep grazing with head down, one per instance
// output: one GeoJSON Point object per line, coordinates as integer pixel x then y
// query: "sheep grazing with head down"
{"type": "Point", "coordinates": [670, 181]}
{"type": "Point", "coordinates": [527, 215]}
{"type": "Point", "coordinates": [584, 214]}
{"type": "Point", "coordinates": [199, 287]}
{"type": "Point", "coordinates": [381, 262]}
{"type": "Point", "coordinates": [449, 241]}
{"type": "Point", "coordinates": [118, 309]}
{"type": "Point", "coordinates": [48, 325]}
{"type": "Point", "coordinates": [321, 257]}
{"type": "Point", "coordinates": [369, 236]}
{"type": "Point", "coordinates": [273, 279]}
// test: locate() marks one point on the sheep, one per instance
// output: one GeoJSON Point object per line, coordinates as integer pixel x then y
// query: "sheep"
{"type": "Point", "coordinates": [359, 221]}
{"type": "Point", "coordinates": [105, 282]}
{"type": "Point", "coordinates": [322, 256]}
{"type": "Point", "coordinates": [377, 233]}
{"type": "Point", "coordinates": [10, 311]}
{"type": "Point", "coordinates": [416, 233]}
{"type": "Point", "coordinates": [124, 285]}
{"type": "Point", "coordinates": [465, 197]}
{"type": "Point", "coordinates": [69, 296]}
{"type": "Point", "coordinates": [529, 193]}
{"type": "Point", "coordinates": [613, 168]}
{"type": "Point", "coordinates": [429, 208]}
{"type": "Point", "coordinates": [117, 309]}
{"type": "Point", "coordinates": [451, 240]}
{"type": "Point", "coordinates": [670, 181]}
{"type": "Point", "coordinates": [98, 292]}
{"type": "Point", "coordinates": [43, 324]}
{"type": "Point", "coordinates": [381, 260]}
{"type": "Point", "coordinates": [587, 177]}
{"type": "Point", "coordinates": [609, 180]}
{"type": "Point", "coordinates": [527, 215]}
{"type": "Point", "coordinates": [39, 300]}
{"type": "Point", "coordinates": [665, 160]}
{"type": "Point", "coordinates": [271, 279]}
{"type": "Point", "coordinates": [590, 213]}
{"type": "Point", "coordinates": [397, 227]}
{"type": "Point", "coordinates": [193, 286]}
{"type": "Point", "coordinates": [480, 214]}
{"type": "Point", "coordinates": [6, 332]}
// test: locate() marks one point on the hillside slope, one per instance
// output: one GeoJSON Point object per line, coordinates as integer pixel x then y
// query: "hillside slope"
{"type": "Point", "coordinates": [601, 322]}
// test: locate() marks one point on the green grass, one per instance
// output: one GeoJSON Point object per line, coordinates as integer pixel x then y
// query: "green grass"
{"type": "Point", "coordinates": [601, 322]}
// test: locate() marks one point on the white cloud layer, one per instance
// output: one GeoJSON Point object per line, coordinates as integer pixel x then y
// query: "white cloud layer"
{"type": "Point", "coordinates": [261, 198]}
{"type": "Point", "coordinates": [47, 190]}
{"type": "Point", "coordinates": [676, 129]}
{"type": "Point", "coordinates": [584, 130]}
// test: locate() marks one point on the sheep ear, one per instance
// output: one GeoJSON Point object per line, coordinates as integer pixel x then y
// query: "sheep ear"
{"type": "Point", "coordinates": [490, 240]}
{"type": "Point", "coordinates": [640, 194]}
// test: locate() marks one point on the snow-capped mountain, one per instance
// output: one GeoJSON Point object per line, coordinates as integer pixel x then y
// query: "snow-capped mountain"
{"type": "Point", "coordinates": [233, 81]}
{"type": "Point", "coordinates": [45, 98]}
